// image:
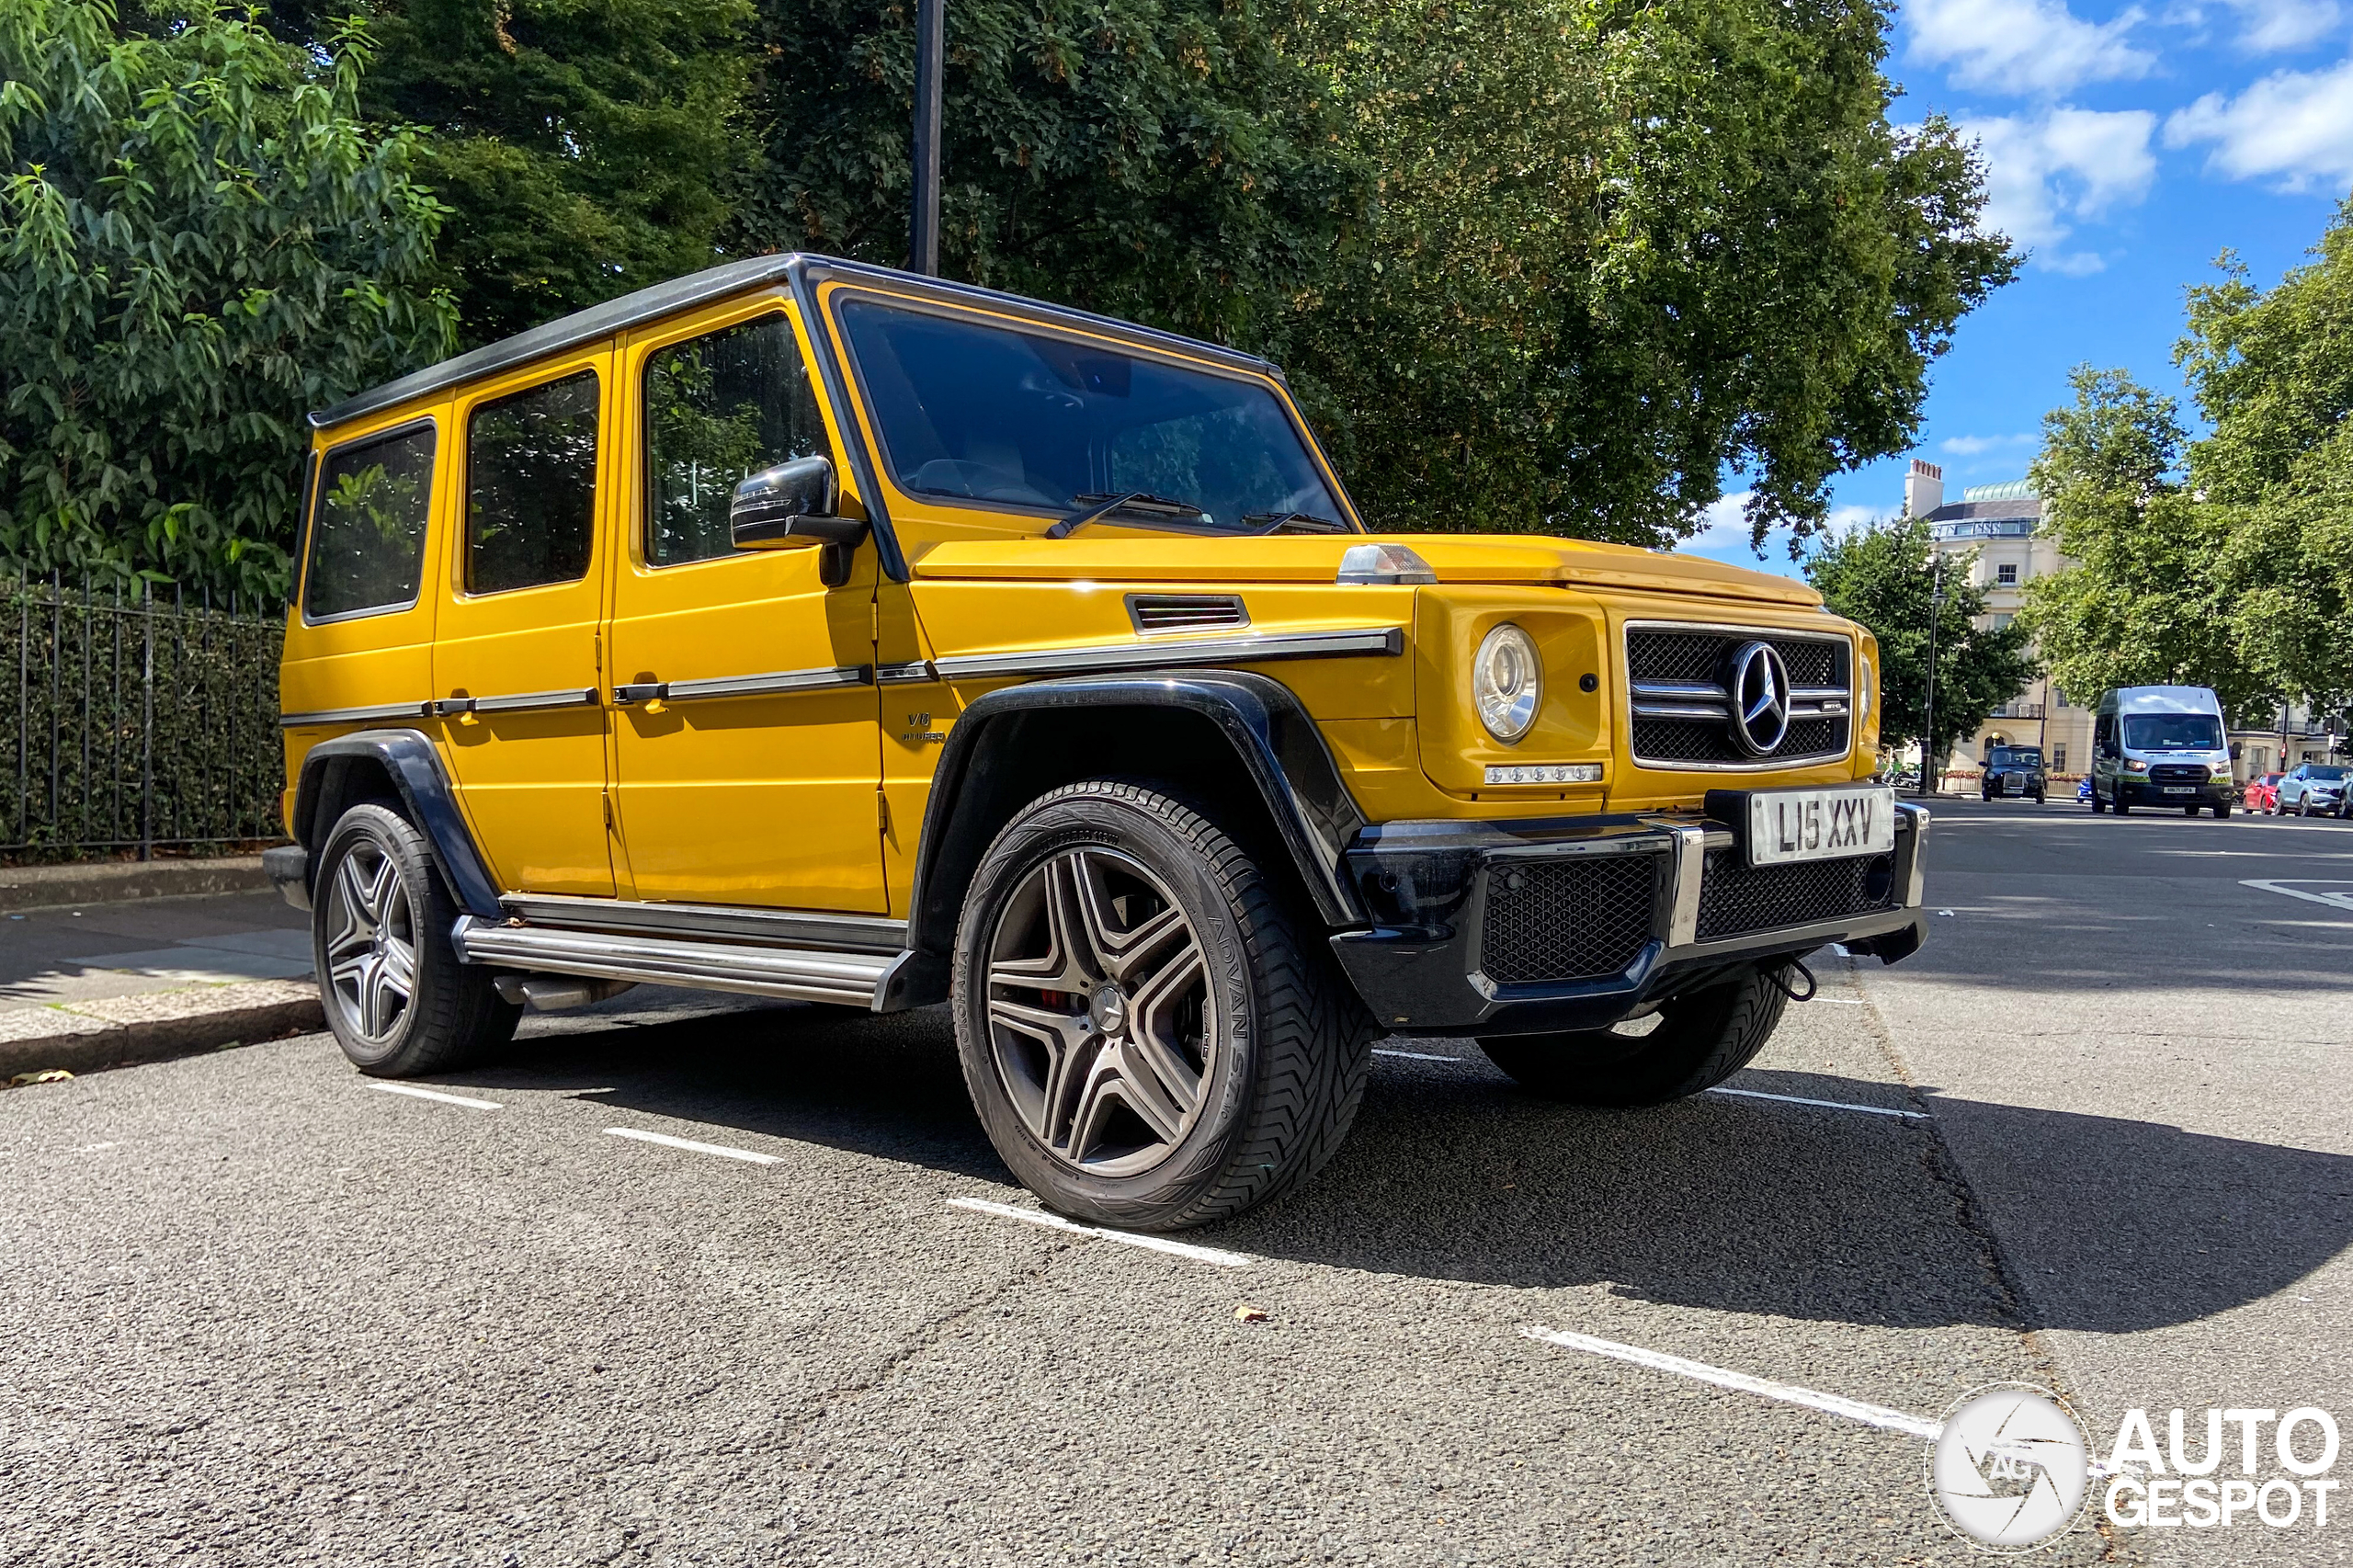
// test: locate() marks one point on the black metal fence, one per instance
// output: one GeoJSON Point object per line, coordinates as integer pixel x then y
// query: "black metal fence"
{"type": "Point", "coordinates": [144, 721]}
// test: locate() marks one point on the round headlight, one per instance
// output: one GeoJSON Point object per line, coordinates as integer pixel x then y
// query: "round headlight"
{"type": "Point", "coordinates": [1506, 682]}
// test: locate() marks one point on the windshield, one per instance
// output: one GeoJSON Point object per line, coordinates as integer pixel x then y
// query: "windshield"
{"type": "Point", "coordinates": [2016, 756]}
{"type": "Point", "coordinates": [2172, 731]}
{"type": "Point", "coordinates": [968, 411]}
{"type": "Point", "coordinates": [2333, 774]}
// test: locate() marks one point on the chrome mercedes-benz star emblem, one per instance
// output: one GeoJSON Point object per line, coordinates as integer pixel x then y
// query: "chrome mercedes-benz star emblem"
{"type": "Point", "coordinates": [1760, 699]}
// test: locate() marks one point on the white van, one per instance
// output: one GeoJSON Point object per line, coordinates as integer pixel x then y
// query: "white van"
{"type": "Point", "coordinates": [2160, 745]}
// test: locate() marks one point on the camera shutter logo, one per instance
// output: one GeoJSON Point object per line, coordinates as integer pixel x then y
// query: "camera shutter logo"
{"type": "Point", "coordinates": [2009, 1468]}
{"type": "Point", "coordinates": [1760, 698]}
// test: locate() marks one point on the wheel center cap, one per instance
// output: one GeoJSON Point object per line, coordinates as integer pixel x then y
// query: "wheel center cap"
{"type": "Point", "coordinates": [1109, 1009]}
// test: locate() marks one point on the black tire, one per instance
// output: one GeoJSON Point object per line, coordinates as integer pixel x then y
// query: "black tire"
{"type": "Point", "coordinates": [1701, 1040]}
{"type": "Point", "coordinates": [2099, 806]}
{"type": "Point", "coordinates": [2038, 797]}
{"type": "Point", "coordinates": [2221, 808]}
{"type": "Point", "coordinates": [2123, 806]}
{"type": "Point", "coordinates": [452, 1015]}
{"type": "Point", "coordinates": [2190, 810]}
{"type": "Point", "coordinates": [1273, 1088]}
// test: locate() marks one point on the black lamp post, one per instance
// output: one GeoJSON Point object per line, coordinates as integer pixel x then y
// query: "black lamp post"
{"type": "Point", "coordinates": [923, 229]}
{"type": "Point", "coordinates": [1935, 609]}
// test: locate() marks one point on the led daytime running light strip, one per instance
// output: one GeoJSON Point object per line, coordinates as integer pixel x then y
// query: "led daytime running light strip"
{"type": "Point", "coordinates": [1545, 773]}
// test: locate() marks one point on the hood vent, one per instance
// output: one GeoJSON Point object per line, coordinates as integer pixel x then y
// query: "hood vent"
{"type": "Point", "coordinates": [1186, 612]}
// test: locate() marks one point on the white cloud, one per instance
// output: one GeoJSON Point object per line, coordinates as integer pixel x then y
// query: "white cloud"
{"type": "Point", "coordinates": [1974, 445]}
{"type": "Point", "coordinates": [2023, 46]}
{"type": "Point", "coordinates": [2047, 172]}
{"type": "Point", "coordinates": [2272, 26]}
{"type": "Point", "coordinates": [2294, 127]}
{"type": "Point", "coordinates": [1725, 536]}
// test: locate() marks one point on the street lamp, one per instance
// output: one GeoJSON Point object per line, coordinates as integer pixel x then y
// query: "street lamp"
{"type": "Point", "coordinates": [923, 228]}
{"type": "Point", "coordinates": [1935, 609]}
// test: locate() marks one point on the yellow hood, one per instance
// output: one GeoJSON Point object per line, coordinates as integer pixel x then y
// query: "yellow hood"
{"type": "Point", "coordinates": [1315, 558]}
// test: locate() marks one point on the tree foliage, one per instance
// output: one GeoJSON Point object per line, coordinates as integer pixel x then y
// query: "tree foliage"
{"type": "Point", "coordinates": [1620, 248]}
{"type": "Point", "coordinates": [585, 147]}
{"type": "Point", "coordinates": [1168, 161]}
{"type": "Point", "coordinates": [200, 240]}
{"type": "Point", "coordinates": [1884, 576]}
{"type": "Point", "coordinates": [2225, 560]}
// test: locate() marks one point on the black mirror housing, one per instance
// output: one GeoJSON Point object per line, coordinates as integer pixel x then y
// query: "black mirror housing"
{"type": "Point", "coordinates": [792, 506]}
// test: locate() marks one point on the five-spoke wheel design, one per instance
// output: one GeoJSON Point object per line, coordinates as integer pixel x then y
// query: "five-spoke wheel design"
{"type": "Point", "coordinates": [370, 941]}
{"type": "Point", "coordinates": [1098, 1015]}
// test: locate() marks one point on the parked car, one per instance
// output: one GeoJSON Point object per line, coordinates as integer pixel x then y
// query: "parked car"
{"type": "Point", "coordinates": [2160, 745]}
{"type": "Point", "coordinates": [2262, 794]}
{"type": "Point", "coordinates": [2015, 772]}
{"type": "Point", "coordinates": [2313, 790]}
{"type": "Point", "coordinates": [812, 629]}
{"type": "Point", "coordinates": [2084, 792]}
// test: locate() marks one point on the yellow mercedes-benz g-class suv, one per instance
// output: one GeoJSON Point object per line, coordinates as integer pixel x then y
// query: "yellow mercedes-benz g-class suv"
{"type": "Point", "coordinates": [815, 630]}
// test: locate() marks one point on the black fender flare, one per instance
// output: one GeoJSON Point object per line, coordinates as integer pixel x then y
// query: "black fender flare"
{"type": "Point", "coordinates": [416, 770]}
{"type": "Point", "coordinates": [1277, 743]}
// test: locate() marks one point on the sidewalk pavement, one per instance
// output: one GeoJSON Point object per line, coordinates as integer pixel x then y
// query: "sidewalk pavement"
{"type": "Point", "coordinates": [102, 984]}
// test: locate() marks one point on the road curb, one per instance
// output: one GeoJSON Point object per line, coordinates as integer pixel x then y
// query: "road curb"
{"type": "Point", "coordinates": [114, 881]}
{"type": "Point", "coordinates": [121, 1032]}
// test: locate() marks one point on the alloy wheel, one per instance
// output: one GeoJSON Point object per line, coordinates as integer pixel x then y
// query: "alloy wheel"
{"type": "Point", "coordinates": [1098, 1011]}
{"type": "Point", "coordinates": [371, 942]}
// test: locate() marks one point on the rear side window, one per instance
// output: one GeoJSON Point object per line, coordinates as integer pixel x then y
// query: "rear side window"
{"type": "Point", "coordinates": [367, 526]}
{"type": "Point", "coordinates": [720, 408]}
{"type": "Point", "coordinates": [531, 487]}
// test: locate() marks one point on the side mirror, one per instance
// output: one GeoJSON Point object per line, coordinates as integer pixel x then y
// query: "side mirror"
{"type": "Point", "coordinates": [792, 506]}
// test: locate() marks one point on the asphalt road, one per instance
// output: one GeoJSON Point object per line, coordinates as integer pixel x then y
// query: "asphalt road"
{"type": "Point", "coordinates": [260, 1311]}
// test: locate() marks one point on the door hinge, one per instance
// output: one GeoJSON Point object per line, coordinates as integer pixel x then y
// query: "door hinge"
{"type": "Point", "coordinates": [600, 655]}
{"type": "Point", "coordinates": [874, 621]}
{"type": "Point", "coordinates": [882, 812]}
{"type": "Point", "coordinates": [607, 801]}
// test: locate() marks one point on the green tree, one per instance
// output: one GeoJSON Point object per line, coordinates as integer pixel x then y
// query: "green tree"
{"type": "Point", "coordinates": [1168, 161]}
{"type": "Point", "coordinates": [2141, 606]}
{"type": "Point", "coordinates": [2273, 374]}
{"type": "Point", "coordinates": [585, 147]}
{"type": "Point", "coordinates": [200, 240]}
{"type": "Point", "coordinates": [1884, 576]}
{"type": "Point", "coordinates": [1622, 248]}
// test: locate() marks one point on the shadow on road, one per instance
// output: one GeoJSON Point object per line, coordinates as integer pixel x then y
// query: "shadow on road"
{"type": "Point", "coordinates": [1452, 1173]}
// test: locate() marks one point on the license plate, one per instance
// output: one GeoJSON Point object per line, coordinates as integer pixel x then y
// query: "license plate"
{"type": "Point", "coordinates": [1828, 824]}
{"type": "Point", "coordinates": [2181, 789]}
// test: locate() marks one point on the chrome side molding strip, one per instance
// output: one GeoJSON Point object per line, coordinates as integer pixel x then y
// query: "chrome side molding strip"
{"type": "Point", "coordinates": [419, 710]}
{"type": "Point", "coordinates": [519, 702]}
{"type": "Point", "coordinates": [1250, 650]}
{"type": "Point", "coordinates": [779, 927]}
{"type": "Point", "coordinates": [851, 979]}
{"type": "Point", "coordinates": [770, 683]}
{"type": "Point", "coordinates": [914, 672]}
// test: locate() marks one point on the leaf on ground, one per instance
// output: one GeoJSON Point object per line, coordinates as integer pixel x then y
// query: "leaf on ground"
{"type": "Point", "coordinates": [1246, 1312]}
{"type": "Point", "coordinates": [53, 1075]}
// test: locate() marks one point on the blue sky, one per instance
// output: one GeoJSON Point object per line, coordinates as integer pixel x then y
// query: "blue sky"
{"type": "Point", "coordinates": [2128, 145]}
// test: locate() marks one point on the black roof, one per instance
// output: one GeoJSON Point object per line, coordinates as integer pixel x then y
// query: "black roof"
{"type": "Point", "coordinates": [681, 294]}
{"type": "Point", "coordinates": [2028, 507]}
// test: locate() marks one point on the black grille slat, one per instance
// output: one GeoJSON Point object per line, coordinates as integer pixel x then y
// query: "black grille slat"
{"type": "Point", "coordinates": [1657, 654]}
{"type": "Point", "coordinates": [1735, 898]}
{"type": "Point", "coordinates": [1186, 612]}
{"type": "Point", "coordinates": [1578, 917]}
{"type": "Point", "coordinates": [2177, 773]}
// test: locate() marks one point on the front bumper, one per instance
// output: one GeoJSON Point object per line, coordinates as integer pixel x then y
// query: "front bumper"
{"type": "Point", "coordinates": [2148, 792]}
{"type": "Point", "coordinates": [287, 866]}
{"type": "Point", "coordinates": [1525, 927]}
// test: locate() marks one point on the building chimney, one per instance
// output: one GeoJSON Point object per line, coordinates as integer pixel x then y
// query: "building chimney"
{"type": "Point", "coordinates": [1924, 489]}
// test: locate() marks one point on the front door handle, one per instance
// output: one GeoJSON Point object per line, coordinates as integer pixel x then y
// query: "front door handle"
{"type": "Point", "coordinates": [640, 691]}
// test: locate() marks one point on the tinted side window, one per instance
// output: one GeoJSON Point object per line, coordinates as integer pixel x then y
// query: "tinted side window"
{"type": "Point", "coordinates": [718, 409]}
{"type": "Point", "coordinates": [367, 526]}
{"type": "Point", "coordinates": [532, 486]}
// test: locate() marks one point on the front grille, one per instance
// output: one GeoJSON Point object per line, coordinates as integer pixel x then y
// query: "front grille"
{"type": "Point", "coordinates": [2177, 773]}
{"type": "Point", "coordinates": [1735, 898]}
{"type": "Point", "coordinates": [1671, 668]}
{"type": "Point", "coordinates": [1573, 918]}
{"type": "Point", "coordinates": [1185, 612]}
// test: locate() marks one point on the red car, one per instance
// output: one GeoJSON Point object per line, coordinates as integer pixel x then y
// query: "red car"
{"type": "Point", "coordinates": [2263, 794]}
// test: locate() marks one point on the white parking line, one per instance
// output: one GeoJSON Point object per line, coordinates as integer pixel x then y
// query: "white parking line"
{"type": "Point", "coordinates": [1417, 1055]}
{"type": "Point", "coordinates": [721, 1150]}
{"type": "Point", "coordinates": [1125, 1238]}
{"type": "Point", "coordinates": [1825, 1105]}
{"type": "Point", "coordinates": [2329, 899]}
{"type": "Point", "coordinates": [435, 1094]}
{"type": "Point", "coordinates": [1789, 1393]}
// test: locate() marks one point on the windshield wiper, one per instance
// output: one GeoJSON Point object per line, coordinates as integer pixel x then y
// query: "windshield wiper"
{"type": "Point", "coordinates": [1100, 506]}
{"type": "Point", "coordinates": [1293, 523]}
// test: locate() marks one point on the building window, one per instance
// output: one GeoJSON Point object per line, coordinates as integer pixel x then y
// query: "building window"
{"type": "Point", "coordinates": [2006, 575]}
{"type": "Point", "coordinates": [2002, 619]}
{"type": "Point", "coordinates": [2059, 697]}
{"type": "Point", "coordinates": [2059, 759]}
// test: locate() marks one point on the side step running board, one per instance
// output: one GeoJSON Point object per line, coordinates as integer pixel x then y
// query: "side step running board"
{"type": "Point", "coordinates": [850, 978]}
